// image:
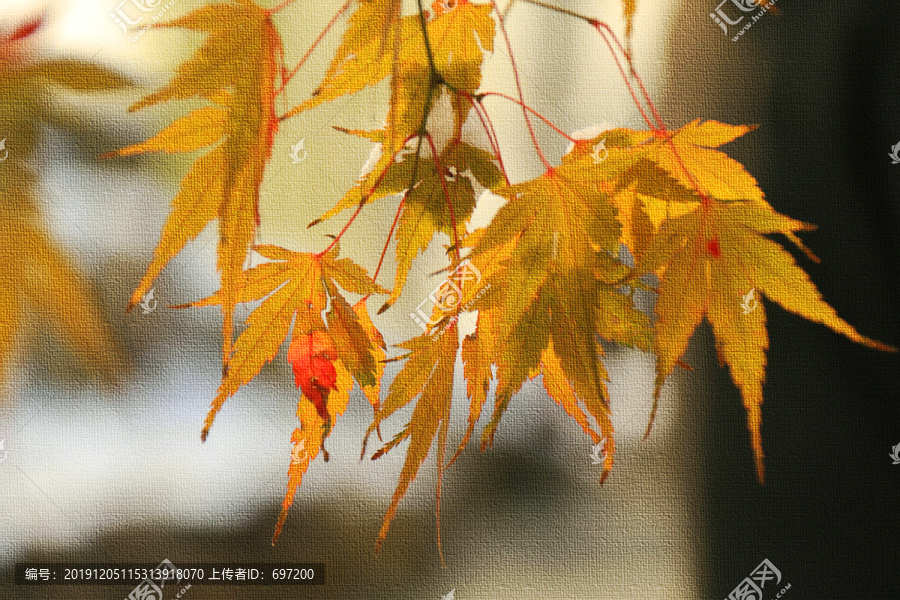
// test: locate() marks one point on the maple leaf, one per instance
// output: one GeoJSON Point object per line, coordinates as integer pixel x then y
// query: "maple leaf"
{"type": "Point", "coordinates": [379, 42]}
{"type": "Point", "coordinates": [712, 257]}
{"type": "Point", "coordinates": [557, 336]}
{"type": "Point", "coordinates": [441, 193]}
{"type": "Point", "coordinates": [314, 370]}
{"type": "Point", "coordinates": [459, 35]}
{"type": "Point", "coordinates": [428, 375]}
{"type": "Point", "coordinates": [327, 354]}
{"type": "Point", "coordinates": [551, 275]}
{"type": "Point", "coordinates": [371, 50]}
{"type": "Point", "coordinates": [362, 345]}
{"type": "Point", "coordinates": [714, 252]}
{"type": "Point", "coordinates": [694, 217]}
{"type": "Point", "coordinates": [326, 362]}
{"type": "Point", "coordinates": [309, 440]}
{"type": "Point", "coordinates": [444, 52]}
{"type": "Point", "coordinates": [295, 289]}
{"type": "Point", "coordinates": [35, 273]}
{"type": "Point", "coordinates": [236, 70]}
{"type": "Point", "coordinates": [365, 55]}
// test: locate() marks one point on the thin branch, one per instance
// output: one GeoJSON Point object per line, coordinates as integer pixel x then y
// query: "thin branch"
{"type": "Point", "coordinates": [660, 124]}
{"type": "Point", "coordinates": [512, 59]}
{"type": "Point", "coordinates": [387, 242]}
{"type": "Point", "coordinates": [634, 97]}
{"type": "Point", "coordinates": [428, 50]}
{"type": "Point", "coordinates": [281, 6]}
{"type": "Point", "coordinates": [597, 24]}
{"type": "Point", "coordinates": [564, 11]}
{"type": "Point", "coordinates": [547, 121]}
{"type": "Point", "coordinates": [488, 126]}
{"type": "Point", "coordinates": [315, 44]}
{"type": "Point", "coordinates": [343, 231]}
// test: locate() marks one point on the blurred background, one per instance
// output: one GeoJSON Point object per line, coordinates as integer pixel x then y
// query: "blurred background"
{"type": "Point", "coordinates": [118, 473]}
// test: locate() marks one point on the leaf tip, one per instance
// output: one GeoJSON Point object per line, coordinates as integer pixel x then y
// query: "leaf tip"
{"type": "Point", "coordinates": [876, 345]}
{"type": "Point", "coordinates": [277, 533]}
{"type": "Point", "coordinates": [604, 476]}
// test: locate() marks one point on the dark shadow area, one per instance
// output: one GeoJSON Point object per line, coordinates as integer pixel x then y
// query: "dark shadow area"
{"type": "Point", "coordinates": [827, 516]}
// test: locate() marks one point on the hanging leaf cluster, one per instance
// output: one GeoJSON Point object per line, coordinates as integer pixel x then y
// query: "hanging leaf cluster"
{"type": "Point", "coordinates": [545, 277]}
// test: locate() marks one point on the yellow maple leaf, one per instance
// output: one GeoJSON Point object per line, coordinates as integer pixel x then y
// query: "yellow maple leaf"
{"type": "Point", "coordinates": [236, 70]}
{"type": "Point", "coordinates": [551, 275]}
{"type": "Point", "coordinates": [425, 59]}
{"type": "Point", "coordinates": [714, 257]}
{"type": "Point", "coordinates": [35, 274]}
{"type": "Point", "coordinates": [295, 288]}
{"type": "Point", "coordinates": [695, 217]}
{"type": "Point", "coordinates": [428, 375]}
{"type": "Point", "coordinates": [460, 34]}
{"type": "Point", "coordinates": [365, 55]}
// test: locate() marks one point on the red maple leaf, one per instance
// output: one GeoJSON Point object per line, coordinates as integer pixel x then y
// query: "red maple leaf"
{"type": "Point", "coordinates": [311, 358]}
